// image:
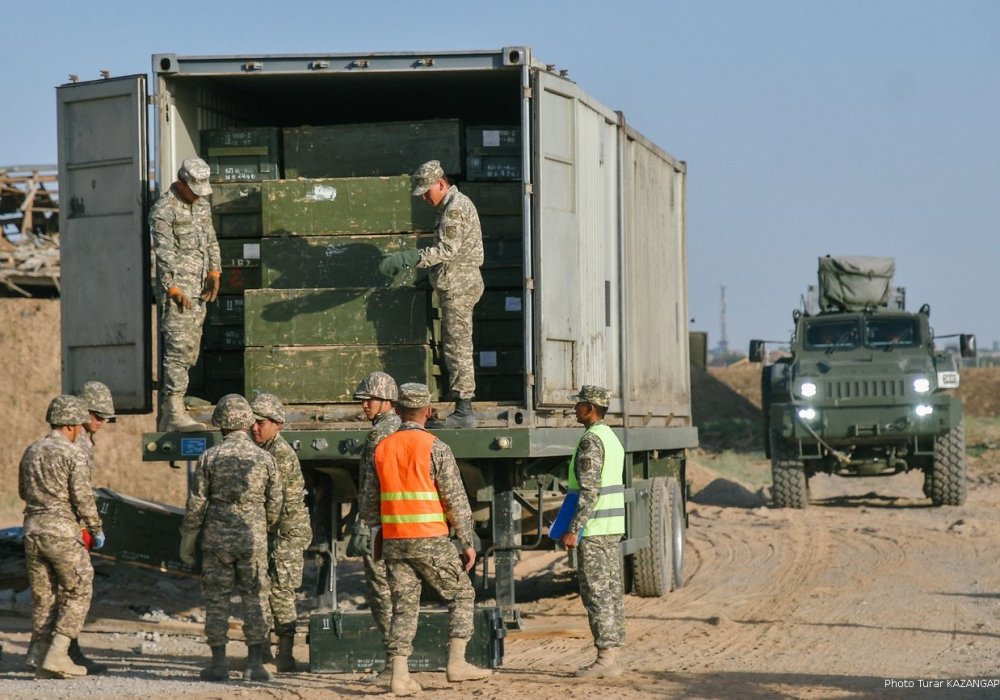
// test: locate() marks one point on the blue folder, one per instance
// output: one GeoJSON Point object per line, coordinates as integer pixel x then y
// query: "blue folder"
{"type": "Point", "coordinates": [565, 516]}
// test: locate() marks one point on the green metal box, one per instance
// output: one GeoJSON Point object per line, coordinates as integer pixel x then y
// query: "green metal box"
{"type": "Point", "coordinates": [349, 642]}
{"type": "Point", "coordinates": [242, 154]}
{"type": "Point", "coordinates": [240, 265]}
{"type": "Point", "coordinates": [336, 261]}
{"type": "Point", "coordinates": [330, 374]}
{"type": "Point", "coordinates": [344, 206]}
{"type": "Point", "coordinates": [361, 150]}
{"type": "Point", "coordinates": [494, 198]}
{"type": "Point", "coordinates": [493, 153]}
{"type": "Point", "coordinates": [396, 316]}
{"type": "Point", "coordinates": [226, 311]}
{"type": "Point", "coordinates": [236, 210]}
{"type": "Point", "coordinates": [219, 371]}
{"type": "Point", "coordinates": [222, 337]}
{"type": "Point", "coordinates": [142, 532]}
{"type": "Point", "coordinates": [498, 319]}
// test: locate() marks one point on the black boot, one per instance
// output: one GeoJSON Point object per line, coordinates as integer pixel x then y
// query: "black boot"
{"type": "Point", "coordinates": [217, 669]}
{"type": "Point", "coordinates": [461, 417]}
{"type": "Point", "coordinates": [255, 670]}
{"type": "Point", "coordinates": [76, 655]}
{"type": "Point", "coordinates": [285, 660]}
{"type": "Point", "coordinates": [266, 656]}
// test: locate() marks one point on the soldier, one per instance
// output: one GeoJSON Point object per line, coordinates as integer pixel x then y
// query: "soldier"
{"type": "Point", "coordinates": [293, 533]}
{"type": "Point", "coordinates": [421, 493]}
{"type": "Point", "coordinates": [454, 263]}
{"type": "Point", "coordinates": [54, 482]}
{"type": "Point", "coordinates": [235, 499]}
{"type": "Point", "coordinates": [377, 392]}
{"type": "Point", "coordinates": [596, 473]}
{"type": "Point", "coordinates": [188, 269]}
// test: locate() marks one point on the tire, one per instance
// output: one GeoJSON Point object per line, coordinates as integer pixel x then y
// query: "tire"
{"type": "Point", "coordinates": [948, 473]}
{"type": "Point", "coordinates": [652, 564]}
{"type": "Point", "coordinates": [790, 486]}
{"type": "Point", "coordinates": [678, 531]}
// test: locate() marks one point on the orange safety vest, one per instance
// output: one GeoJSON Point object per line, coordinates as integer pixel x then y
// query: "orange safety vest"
{"type": "Point", "coordinates": [411, 505]}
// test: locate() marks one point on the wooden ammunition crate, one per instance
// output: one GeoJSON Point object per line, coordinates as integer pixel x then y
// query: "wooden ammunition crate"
{"type": "Point", "coordinates": [236, 210]}
{"type": "Point", "coordinates": [242, 154]}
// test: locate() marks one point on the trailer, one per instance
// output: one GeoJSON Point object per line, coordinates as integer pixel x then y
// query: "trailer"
{"type": "Point", "coordinates": [586, 276]}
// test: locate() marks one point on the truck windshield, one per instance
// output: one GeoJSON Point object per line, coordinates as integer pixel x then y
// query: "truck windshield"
{"type": "Point", "coordinates": [833, 335]}
{"type": "Point", "coordinates": [891, 333]}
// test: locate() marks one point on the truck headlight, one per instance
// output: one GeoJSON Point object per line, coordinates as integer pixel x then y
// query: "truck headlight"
{"type": "Point", "coordinates": [948, 379]}
{"type": "Point", "coordinates": [808, 414]}
{"type": "Point", "coordinates": [807, 389]}
{"type": "Point", "coordinates": [923, 410]}
{"type": "Point", "coordinates": [921, 385]}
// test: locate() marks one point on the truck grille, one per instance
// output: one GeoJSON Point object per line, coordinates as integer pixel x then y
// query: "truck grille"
{"type": "Point", "coordinates": [864, 389]}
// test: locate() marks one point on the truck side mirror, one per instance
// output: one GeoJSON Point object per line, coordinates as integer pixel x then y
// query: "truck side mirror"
{"type": "Point", "coordinates": [967, 344]}
{"type": "Point", "coordinates": [756, 352]}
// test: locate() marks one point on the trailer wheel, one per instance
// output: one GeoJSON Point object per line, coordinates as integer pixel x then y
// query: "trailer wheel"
{"type": "Point", "coordinates": [948, 472]}
{"type": "Point", "coordinates": [789, 484]}
{"type": "Point", "coordinates": [652, 563]}
{"type": "Point", "coordinates": [678, 531]}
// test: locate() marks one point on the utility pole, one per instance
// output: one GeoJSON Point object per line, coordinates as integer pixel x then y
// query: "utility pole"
{"type": "Point", "coordinates": [723, 341]}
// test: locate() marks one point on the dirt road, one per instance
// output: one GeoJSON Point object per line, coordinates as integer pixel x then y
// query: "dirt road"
{"type": "Point", "coordinates": [864, 593]}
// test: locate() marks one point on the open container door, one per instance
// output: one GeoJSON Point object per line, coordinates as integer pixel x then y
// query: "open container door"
{"type": "Point", "coordinates": [105, 249]}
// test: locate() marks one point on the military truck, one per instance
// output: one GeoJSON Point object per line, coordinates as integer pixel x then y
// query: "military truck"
{"type": "Point", "coordinates": [584, 229]}
{"type": "Point", "coordinates": [864, 390]}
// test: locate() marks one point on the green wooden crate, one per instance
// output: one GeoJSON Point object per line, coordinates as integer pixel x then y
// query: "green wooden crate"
{"type": "Point", "coordinates": [220, 337]}
{"type": "Point", "coordinates": [142, 532]}
{"type": "Point", "coordinates": [240, 252]}
{"type": "Point", "coordinates": [493, 153]}
{"type": "Point", "coordinates": [222, 365]}
{"type": "Point", "coordinates": [330, 374]}
{"type": "Point", "coordinates": [507, 227]}
{"type": "Point", "coordinates": [336, 261]}
{"type": "Point", "coordinates": [494, 198]}
{"type": "Point", "coordinates": [236, 210]}
{"type": "Point", "coordinates": [344, 206]}
{"type": "Point", "coordinates": [499, 275]}
{"type": "Point", "coordinates": [236, 280]}
{"type": "Point", "coordinates": [382, 148]}
{"type": "Point", "coordinates": [503, 252]}
{"type": "Point", "coordinates": [242, 154]}
{"type": "Point", "coordinates": [226, 311]}
{"type": "Point", "coordinates": [397, 316]}
{"type": "Point", "coordinates": [498, 319]}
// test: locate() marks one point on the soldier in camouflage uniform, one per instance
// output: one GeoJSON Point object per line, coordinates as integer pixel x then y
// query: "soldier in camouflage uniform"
{"type": "Point", "coordinates": [416, 493]}
{"type": "Point", "coordinates": [454, 263]}
{"type": "Point", "coordinates": [235, 499]}
{"type": "Point", "coordinates": [597, 526]}
{"type": "Point", "coordinates": [377, 392]}
{"type": "Point", "coordinates": [54, 483]}
{"type": "Point", "coordinates": [293, 534]}
{"type": "Point", "coordinates": [188, 270]}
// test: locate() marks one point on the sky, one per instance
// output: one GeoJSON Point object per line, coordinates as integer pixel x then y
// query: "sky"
{"type": "Point", "coordinates": [855, 127]}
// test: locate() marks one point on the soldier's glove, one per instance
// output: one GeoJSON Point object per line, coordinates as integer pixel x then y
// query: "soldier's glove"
{"type": "Point", "coordinates": [179, 298]}
{"type": "Point", "coordinates": [360, 542]}
{"type": "Point", "coordinates": [188, 550]}
{"type": "Point", "coordinates": [394, 263]}
{"type": "Point", "coordinates": [99, 540]}
{"type": "Point", "coordinates": [211, 289]}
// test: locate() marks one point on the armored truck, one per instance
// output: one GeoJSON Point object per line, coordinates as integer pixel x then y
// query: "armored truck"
{"type": "Point", "coordinates": [864, 390]}
{"type": "Point", "coordinates": [586, 280]}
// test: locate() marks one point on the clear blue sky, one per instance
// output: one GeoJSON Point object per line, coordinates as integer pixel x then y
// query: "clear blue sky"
{"type": "Point", "coordinates": [855, 127]}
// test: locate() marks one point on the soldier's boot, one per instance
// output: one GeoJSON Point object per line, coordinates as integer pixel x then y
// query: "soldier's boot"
{"type": "Point", "coordinates": [36, 652]}
{"type": "Point", "coordinates": [401, 683]}
{"type": "Point", "coordinates": [605, 666]}
{"type": "Point", "coordinates": [285, 661]}
{"type": "Point", "coordinates": [255, 670]}
{"type": "Point", "coordinates": [266, 655]}
{"type": "Point", "coordinates": [76, 654]}
{"type": "Point", "coordinates": [174, 416]}
{"type": "Point", "coordinates": [56, 663]}
{"type": "Point", "coordinates": [461, 417]}
{"type": "Point", "coordinates": [458, 668]}
{"type": "Point", "coordinates": [218, 668]}
{"type": "Point", "coordinates": [384, 677]}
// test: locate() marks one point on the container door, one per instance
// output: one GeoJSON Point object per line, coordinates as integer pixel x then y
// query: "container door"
{"type": "Point", "coordinates": [576, 242]}
{"type": "Point", "coordinates": [105, 249]}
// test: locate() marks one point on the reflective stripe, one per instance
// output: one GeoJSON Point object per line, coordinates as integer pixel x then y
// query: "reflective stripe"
{"type": "Point", "coordinates": [414, 518]}
{"type": "Point", "coordinates": [605, 490]}
{"type": "Point", "coordinates": [609, 513]}
{"type": "Point", "coordinates": [410, 496]}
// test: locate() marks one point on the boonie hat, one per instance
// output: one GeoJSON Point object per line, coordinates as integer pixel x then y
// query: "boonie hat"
{"type": "Point", "coordinates": [97, 396]}
{"type": "Point", "coordinates": [195, 172]}
{"type": "Point", "coordinates": [591, 393]}
{"type": "Point", "coordinates": [426, 175]}
{"type": "Point", "coordinates": [268, 406]}
{"type": "Point", "coordinates": [413, 395]}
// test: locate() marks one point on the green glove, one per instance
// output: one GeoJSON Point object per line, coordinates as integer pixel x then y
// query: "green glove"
{"type": "Point", "coordinates": [360, 542]}
{"type": "Point", "coordinates": [394, 263]}
{"type": "Point", "coordinates": [189, 552]}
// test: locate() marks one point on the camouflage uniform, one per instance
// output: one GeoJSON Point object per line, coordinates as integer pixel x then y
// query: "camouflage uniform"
{"type": "Point", "coordinates": [454, 263]}
{"type": "Point", "coordinates": [235, 499]}
{"type": "Point", "coordinates": [54, 482]}
{"type": "Point", "coordinates": [430, 559]}
{"type": "Point", "coordinates": [186, 251]}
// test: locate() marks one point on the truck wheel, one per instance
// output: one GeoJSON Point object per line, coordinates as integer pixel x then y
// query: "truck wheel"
{"type": "Point", "coordinates": [948, 473]}
{"type": "Point", "coordinates": [678, 531]}
{"type": "Point", "coordinates": [790, 487]}
{"type": "Point", "coordinates": [652, 563]}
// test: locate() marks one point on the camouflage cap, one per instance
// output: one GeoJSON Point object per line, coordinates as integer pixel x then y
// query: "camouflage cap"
{"type": "Point", "coordinates": [97, 396]}
{"type": "Point", "coordinates": [413, 395]}
{"type": "Point", "coordinates": [268, 406]}
{"type": "Point", "coordinates": [233, 412]}
{"type": "Point", "coordinates": [377, 385]}
{"type": "Point", "coordinates": [67, 409]}
{"type": "Point", "coordinates": [195, 172]}
{"type": "Point", "coordinates": [426, 175]}
{"type": "Point", "coordinates": [591, 393]}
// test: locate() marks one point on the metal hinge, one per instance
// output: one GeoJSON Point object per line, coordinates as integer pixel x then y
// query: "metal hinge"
{"type": "Point", "coordinates": [528, 93]}
{"type": "Point", "coordinates": [529, 282]}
